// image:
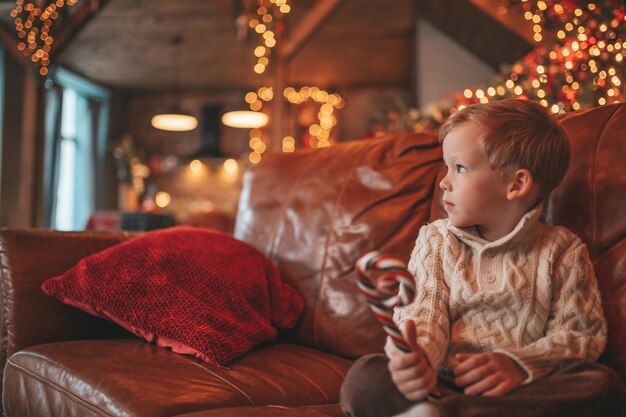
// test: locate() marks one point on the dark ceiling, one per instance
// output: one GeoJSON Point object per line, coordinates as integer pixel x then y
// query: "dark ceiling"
{"type": "Point", "coordinates": [128, 44]}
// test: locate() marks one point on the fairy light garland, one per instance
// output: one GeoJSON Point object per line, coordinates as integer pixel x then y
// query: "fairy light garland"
{"type": "Point", "coordinates": [257, 144]}
{"type": "Point", "coordinates": [258, 141]}
{"type": "Point", "coordinates": [580, 65]}
{"type": "Point", "coordinates": [320, 132]}
{"type": "Point", "coordinates": [583, 67]}
{"type": "Point", "coordinates": [33, 25]}
{"type": "Point", "coordinates": [267, 22]}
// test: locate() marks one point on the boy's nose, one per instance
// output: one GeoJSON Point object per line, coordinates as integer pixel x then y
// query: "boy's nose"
{"type": "Point", "coordinates": [443, 184]}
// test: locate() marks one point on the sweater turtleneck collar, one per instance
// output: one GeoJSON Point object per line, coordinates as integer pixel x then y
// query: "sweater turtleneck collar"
{"type": "Point", "coordinates": [470, 236]}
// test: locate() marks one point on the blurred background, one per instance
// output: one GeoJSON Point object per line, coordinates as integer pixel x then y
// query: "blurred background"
{"type": "Point", "coordinates": [84, 86]}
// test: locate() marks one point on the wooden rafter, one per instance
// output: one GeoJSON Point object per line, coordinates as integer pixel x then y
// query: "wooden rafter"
{"type": "Point", "coordinates": [307, 26]}
{"type": "Point", "coordinates": [512, 20]}
{"type": "Point", "coordinates": [86, 11]}
{"type": "Point", "coordinates": [492, 40]}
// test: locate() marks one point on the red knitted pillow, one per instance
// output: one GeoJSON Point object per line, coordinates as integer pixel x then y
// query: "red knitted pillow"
{"type": "Point", "coordinates": [196, 291]}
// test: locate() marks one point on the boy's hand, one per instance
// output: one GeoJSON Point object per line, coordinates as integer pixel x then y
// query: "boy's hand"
{"type": "Point", "coordinates": [411, 372]}
{"type": "Point", "coordinates": [489, 374]}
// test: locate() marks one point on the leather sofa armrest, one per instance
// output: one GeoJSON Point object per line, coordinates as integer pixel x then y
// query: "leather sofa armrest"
{"type": "Point", "coordinates": [28, 316]}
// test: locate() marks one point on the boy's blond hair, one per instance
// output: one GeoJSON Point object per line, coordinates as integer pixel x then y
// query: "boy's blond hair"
{"type": "Point", "coordinates": [518, 134]}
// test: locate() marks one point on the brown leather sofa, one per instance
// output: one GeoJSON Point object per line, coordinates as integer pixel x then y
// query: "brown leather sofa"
{"type": "Point", "coordinates": [313, 213]}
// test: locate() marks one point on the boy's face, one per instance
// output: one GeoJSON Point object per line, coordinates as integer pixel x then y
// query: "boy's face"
{"type": "Point", "coordinates": [474, 194]}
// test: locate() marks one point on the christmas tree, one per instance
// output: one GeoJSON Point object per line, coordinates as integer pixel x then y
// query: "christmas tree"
{"type": "Point", "coordinates": [581, 64]}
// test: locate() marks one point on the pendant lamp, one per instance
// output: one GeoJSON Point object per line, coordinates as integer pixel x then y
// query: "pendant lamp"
{"type": "Point", "coordinates": [245, 119]}
{"type": "Point", "coordinates": [174, 122]}
{"type": "Point", "coordinates": [174, 119]}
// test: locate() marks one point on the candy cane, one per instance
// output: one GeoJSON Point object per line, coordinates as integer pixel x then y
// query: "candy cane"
{"type": "Point", "coordinates": [386, 283]}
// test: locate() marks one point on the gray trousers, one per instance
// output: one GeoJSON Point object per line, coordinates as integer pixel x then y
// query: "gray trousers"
{"type": "Point", "coordinates": [576, 388]}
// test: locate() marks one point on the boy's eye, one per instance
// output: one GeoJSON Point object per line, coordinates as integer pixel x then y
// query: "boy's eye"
{"type": "Point", "coordinates": [460, 168]}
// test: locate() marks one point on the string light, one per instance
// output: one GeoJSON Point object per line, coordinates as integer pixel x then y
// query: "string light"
{"type": "Point", "coordinates": [580, 65]}
{"type": "Point", "coordinates": [321, 132]}
{"type": "Point", "coordinates": [257, 145]}
{"type": "Point", "coordinates": [33, 23]}
{"type": "Point", "coordinates": [289, 144]}
{"type": "Point", "coordinates": [266, 20]}
{"type": "Point", "coordinates": [587, 41]}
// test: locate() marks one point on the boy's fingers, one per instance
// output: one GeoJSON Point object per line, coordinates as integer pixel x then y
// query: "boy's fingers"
{"type": "Point", "coordinates": [408, 332]}
{"type": "Point", "coordinates": [418, 389]}
{"type": "Point", "coordinates": [472, 376]}
{"type": "Point", "coordinates": [407, 360]}
{"type": "Point", "coordinates": [500, 389]}
{"type": "Point", "coordinates": [483, 385]}
{"type": "Point", "coordinates": [461, 357]}
{"type": "Point", "coordinates": [470, 362]}
{"type": "Point", "coordinates": [413, 373]}
{"type": "Point", "coordinates": [416, 395]}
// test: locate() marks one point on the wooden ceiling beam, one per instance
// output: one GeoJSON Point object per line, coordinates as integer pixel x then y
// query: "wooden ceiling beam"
{"type": "Point", "coordinates": [87, 10]}
{"type": "Point", "coordinates": [478, 31]}
{"type": "Point", "coordinates": [306, 27]}
{"type": "Point", "coordinates": [513, 21]}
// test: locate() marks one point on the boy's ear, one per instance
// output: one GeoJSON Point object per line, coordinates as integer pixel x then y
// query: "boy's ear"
{"type": "Point", "coordinates": [520, 185]}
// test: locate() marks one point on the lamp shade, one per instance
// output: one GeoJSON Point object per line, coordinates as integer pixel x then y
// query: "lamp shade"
{"type": "Point", "coordinates": [245, 119]}
{"type": "Point", "coordinates": [176, 122]}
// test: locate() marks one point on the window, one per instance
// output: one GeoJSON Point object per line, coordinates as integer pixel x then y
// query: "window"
{"type": "Point", "coordinates": [76, 120]}
{"type": "Point", "coordinates": [66, 198]}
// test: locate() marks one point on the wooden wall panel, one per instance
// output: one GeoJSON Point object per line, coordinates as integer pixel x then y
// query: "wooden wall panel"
{"type": "Point", "coordinates": [20, 146]}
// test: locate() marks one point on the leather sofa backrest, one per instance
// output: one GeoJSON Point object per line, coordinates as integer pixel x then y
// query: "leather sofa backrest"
{"type": "Point", "coordinates": [591, 201]}
{"type": "Point", "coordinates": [315, 213]}
{"type": "Point", "coordinates": [28, 316]}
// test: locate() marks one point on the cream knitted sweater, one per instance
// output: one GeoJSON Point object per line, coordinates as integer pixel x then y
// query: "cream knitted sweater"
{"type": "Point", "coordinates": [531, 295]}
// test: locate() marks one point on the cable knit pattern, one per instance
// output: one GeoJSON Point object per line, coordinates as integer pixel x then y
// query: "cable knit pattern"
{"type": "Point", "coordinates": [531, 295]}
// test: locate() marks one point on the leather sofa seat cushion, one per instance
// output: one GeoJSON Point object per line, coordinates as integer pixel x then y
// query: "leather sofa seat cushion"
{"type": "Point", "coordinates": [131, 378]}
{"type": "Point", "coordinates": [324, 410]}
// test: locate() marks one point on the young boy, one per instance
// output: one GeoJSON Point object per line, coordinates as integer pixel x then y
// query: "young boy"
{"type": "Point", "coordinates": [508, 319]}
